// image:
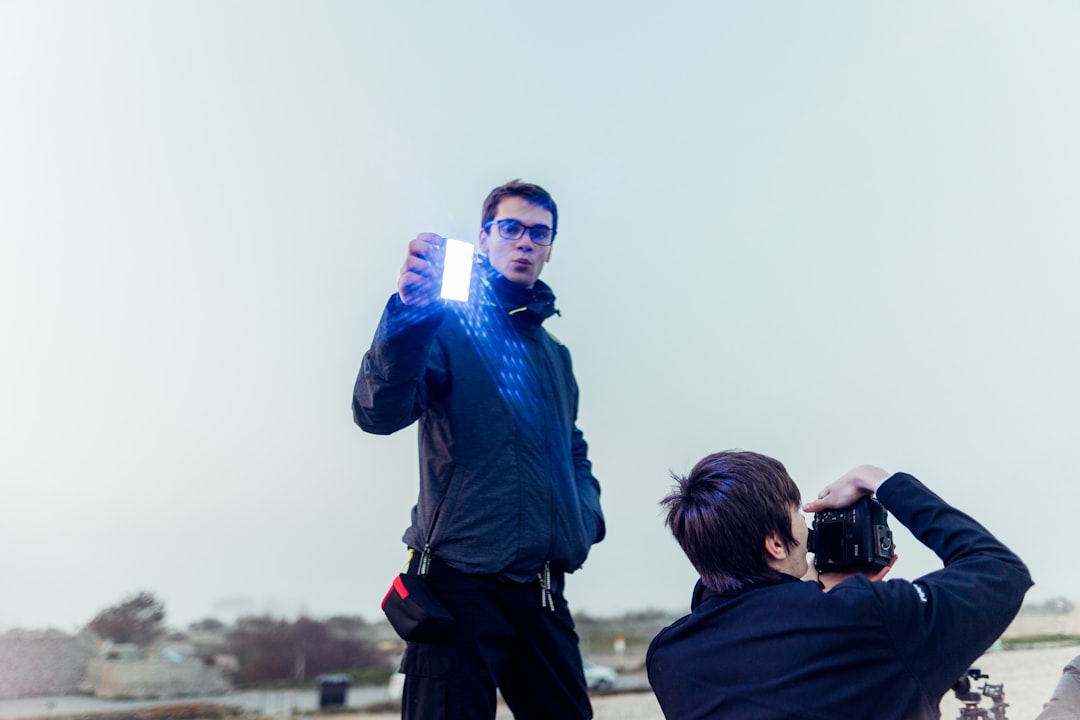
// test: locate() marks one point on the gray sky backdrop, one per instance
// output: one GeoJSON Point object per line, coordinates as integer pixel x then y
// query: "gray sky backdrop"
{"type": "Point", "coordinates": [833, 232]}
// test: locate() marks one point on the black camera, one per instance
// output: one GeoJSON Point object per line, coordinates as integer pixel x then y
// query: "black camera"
{"type": "Point", "coordinates": [855, 538]}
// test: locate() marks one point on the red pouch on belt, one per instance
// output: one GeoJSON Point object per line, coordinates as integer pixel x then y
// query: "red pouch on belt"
{"type": "Point", "coordinates": [414, 612]}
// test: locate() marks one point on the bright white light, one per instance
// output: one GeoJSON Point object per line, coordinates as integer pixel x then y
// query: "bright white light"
{"type": "Point", "coordinates": [457, 270]}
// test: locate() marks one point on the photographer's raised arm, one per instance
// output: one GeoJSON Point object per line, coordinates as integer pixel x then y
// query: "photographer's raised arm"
{"type": "Point", "coordinates": [943, 621]}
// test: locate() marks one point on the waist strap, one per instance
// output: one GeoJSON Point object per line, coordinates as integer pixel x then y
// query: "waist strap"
{"type": "Point", "coordinates": [422, 562]}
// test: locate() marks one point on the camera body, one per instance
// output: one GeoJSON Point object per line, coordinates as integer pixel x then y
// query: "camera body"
{"type": "Point", "coordinates": [854, 538]}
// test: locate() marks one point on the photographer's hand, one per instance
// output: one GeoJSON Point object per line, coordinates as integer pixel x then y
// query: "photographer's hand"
{"type": "Point", "coordinates": [829, 580]}
{"type": "Point", "coordinates": [421, 274]}
{"type": "Point", "coordinates": [845, 492]}
{"type": "Point", "coordinates": [880, 574]}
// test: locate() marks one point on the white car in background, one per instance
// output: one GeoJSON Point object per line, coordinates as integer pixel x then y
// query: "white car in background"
{"type": "Point", "coordinates": [600, 677]}
{"type": "Point", "coordinates": [396, 685]}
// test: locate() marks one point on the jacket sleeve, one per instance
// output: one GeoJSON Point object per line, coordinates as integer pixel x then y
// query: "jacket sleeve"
{"type": "Point", "coordinates": [943, 621]}
{"type": "Point", "coordinates": [1064, 704]}
{"type": "Point", "coordinates": [390, 391]}
{"type": "Point", "coordinates": [588, 487]}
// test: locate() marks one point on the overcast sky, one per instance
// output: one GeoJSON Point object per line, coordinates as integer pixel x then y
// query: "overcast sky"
{"type": "Point", "coordinates": [832, 232]}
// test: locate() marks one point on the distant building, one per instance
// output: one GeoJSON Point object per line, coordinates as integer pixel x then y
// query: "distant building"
{"type": "Point", "coordinates": [165, 670]}
{"type": "Point", "coordinates": [34, 663]}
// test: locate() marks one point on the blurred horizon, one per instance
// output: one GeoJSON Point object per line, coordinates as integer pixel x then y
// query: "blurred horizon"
{"type": "Point", "coordinates": [1031, 606]}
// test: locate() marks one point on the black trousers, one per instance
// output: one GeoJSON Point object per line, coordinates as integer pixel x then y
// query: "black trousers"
{"type": "Point", "coordinates": [505, 638]}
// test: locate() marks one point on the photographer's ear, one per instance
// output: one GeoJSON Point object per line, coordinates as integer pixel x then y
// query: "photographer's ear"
{"type": "Point", "coordinates": [775, 549]}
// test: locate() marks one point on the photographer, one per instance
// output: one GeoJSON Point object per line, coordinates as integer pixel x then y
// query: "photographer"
{"type": "Point", "coordinates": [761, 644]}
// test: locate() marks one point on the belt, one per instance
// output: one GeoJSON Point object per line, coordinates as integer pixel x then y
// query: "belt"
{"type": "Point", "coordinates": [421, 563]}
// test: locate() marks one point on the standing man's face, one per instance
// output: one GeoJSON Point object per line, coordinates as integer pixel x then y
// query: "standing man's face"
{"type": "Point", "coordinates": [519, 261]}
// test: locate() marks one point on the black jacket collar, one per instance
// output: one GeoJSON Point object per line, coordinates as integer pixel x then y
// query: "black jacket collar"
{"type": "Point", "coordinates": [702, 593]}
{"type": "Point", "coordinates": [535, 304]}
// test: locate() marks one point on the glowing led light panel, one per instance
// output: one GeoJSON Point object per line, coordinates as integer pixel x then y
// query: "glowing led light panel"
{"type": "Point", "coordinates": [457, 270]}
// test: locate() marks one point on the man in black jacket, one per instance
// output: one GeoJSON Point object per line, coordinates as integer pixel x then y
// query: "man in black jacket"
{"type": "Point", "coordinates": [761, 644]}
{"type": "Point", "coordinates": [508, 503]}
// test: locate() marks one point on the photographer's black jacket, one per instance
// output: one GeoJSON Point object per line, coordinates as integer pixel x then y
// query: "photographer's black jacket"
{"type": "Point", "coordinates": [505, 482]}
{"type": "Point", "coordinates": [879, 650]}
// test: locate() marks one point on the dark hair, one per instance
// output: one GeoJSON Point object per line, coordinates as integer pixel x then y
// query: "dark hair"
{"type": "Point", "coordinates": [526, 191]}
{"type": "Point", "coordinates": [721, 513]}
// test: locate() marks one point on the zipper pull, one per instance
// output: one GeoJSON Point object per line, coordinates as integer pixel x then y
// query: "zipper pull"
{"type": "Point", "coordinates": [546, 599]}
{"type": "Point", "coordinates": [425, 560]}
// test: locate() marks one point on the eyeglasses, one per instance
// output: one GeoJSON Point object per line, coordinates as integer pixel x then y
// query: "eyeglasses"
{"type": "Point", "coordinates": [510, 229]}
